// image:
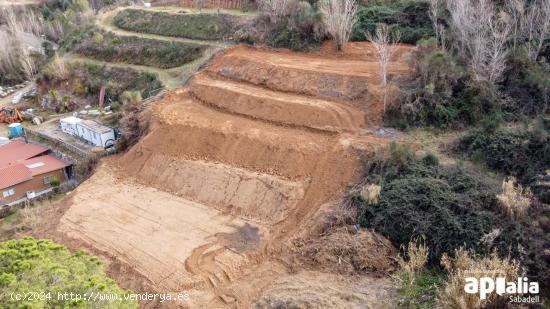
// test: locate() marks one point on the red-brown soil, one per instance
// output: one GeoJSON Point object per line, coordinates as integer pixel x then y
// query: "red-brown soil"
{"type": "Point", "coordinates": [232, 169]}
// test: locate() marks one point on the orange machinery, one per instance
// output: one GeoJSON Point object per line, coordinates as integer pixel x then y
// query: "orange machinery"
{"type": "Point", "coordinates": [10, 115]}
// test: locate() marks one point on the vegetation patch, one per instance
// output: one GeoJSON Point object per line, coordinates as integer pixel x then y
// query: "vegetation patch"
{"type": "Point", "coordinates": [528, 84]}
{"type": "Point", "coordinates": [297, 26]}
{"type": "Point", "coordinates": [520, 152]}
{"type": "Point", "coordinates": [108, 47]}
{"type": "Point", "coordinates": [43, 267]}
{"type": "Point", "coordinates": [444, 95]}
{"type": "Point", "coordinates": [451, 209]}
{"type": "Point", "coordinates": [192, 26]}
{"type": "Point", "coordinates": [410, 17]}
{"type": "Point", "coordinates": [86, 80]}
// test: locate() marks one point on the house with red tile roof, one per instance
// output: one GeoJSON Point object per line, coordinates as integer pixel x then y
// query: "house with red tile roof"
{"type": "Point", "coordinates": [28, 170]}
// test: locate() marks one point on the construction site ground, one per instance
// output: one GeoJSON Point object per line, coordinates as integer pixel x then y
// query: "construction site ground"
{"type": "Point", "coordinates": [235, 166]}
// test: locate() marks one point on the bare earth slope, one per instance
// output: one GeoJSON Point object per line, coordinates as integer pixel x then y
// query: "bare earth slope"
{"type": "Point", "coordinates": [232, 168]}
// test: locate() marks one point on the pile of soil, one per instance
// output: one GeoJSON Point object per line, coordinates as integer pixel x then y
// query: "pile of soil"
{"type": "Point", "coordinates": [346, 251]}
{"type": "Point", "coordinates": [315, 290]}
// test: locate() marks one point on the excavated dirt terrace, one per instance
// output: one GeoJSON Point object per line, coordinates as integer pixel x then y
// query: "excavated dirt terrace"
{"type": "Point", "coordinates": [234, 166]}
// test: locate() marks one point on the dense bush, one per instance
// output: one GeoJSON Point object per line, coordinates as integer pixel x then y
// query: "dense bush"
{"type": "Point", "coordinates": [449, 208]}
{"type": "Point", "coordinates": [522, 153]}
{"type": "Point", "coordinates": [299, 28]}
{"type": "Point", "coordinates": [410, 17]}
{"type": "Point", "coordinates": [86, 80]}
{"type": "Point", "coordinates": [132, 125]}
{"type": "Point", "coordinates": [192, 26]}
{"type": "Point", "coordinates": [445, 205]}
{"type": "Point", "coordinates": [528, 84]}
{"type": "Point", "coordinates": [444, 95]}
{"type": "Point", "coordinates": [45, 268]}
{"type": "Point", "coordinates": [135, 50]}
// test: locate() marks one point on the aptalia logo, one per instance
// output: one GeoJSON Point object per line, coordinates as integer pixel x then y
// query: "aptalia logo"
{"type": "Point", "coordinates": [486, 285]}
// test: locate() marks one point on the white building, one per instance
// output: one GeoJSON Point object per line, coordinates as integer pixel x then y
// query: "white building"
{"type": "Point", "coordinates": [89, 130]}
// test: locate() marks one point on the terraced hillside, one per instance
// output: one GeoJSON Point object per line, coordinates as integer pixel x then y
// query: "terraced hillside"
{"type": "Point", "coordinates": [234, 166]}
{"type": "Point", "coordinates": [174, 59]}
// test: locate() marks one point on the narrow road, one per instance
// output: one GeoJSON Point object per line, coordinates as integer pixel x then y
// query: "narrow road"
{"type": "Point", "coordinates": [105, 22]}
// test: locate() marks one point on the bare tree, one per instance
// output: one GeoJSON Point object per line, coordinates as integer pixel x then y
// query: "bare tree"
{"type": "Point", "coordinates": [384, 42]}
{"type": "Point", "coordinates": [28, 63]}
{"type": "Point", "coordinates": [8, 54]}
{"type": "Point", "coordinates": [483, 35]}
{"type": "Point", "coordinates": [516, 11]}
{"type": "Point", "coordinates": [276, 9]}
{"type": "Point", "coordinates": [339, 17]}
{"type": "Point", "coordinates": [535, 27]}
{"type": "Point", "coordinates": [54, 30]}
{"type": "Point", "coordinates": [439, 29]}
{"type": "Point", "coordinates": [17, 57]}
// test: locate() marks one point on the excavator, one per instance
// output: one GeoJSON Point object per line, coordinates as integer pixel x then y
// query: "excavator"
{"type": "Point", "coordinates": [10, 115]}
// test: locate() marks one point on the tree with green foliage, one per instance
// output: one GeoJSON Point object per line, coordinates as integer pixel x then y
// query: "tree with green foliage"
{"type": "Point", "coordinates": [45, 270]}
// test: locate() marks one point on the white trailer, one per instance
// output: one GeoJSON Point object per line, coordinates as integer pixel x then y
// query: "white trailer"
{"type": "Point", "coordinates": [95, 133]}
{"type": "Point", "coordinates": [68, 125]}
{"type": "Point", "coordinates": [88, 130]}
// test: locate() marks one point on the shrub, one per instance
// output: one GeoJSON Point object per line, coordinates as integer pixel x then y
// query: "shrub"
{"type": "Point", "coordinates": [463, 265]}
{"type": "Point", "coordinates": [444, 96]}
{"type": "Point", "coordinates": [298, 27]}
{"type": "Point", "coordinates": [29, 217]}
{"type": "Point", "coordinates": [135, 50]}
{"type": "Point", "coordinates": [371, 193]}
{"type": "Point", "coordinates": [528, 84]}
{"type": "Point", "coordinates": [417, 286]}
{"type": "Point", "coordinates": [450, 208]}
{"type": "Point", "coordinates": [47, 269]}
{"type": "Point", "coordinates": [132, 125]}
{"type": "Point", "coordinates": [410, 17]}
{"type": "Point", "coordinates": [430, 159]}
{"type": "Point", "coordinates": [192, 26]}
{"type": "Point", "coordinates": [522, 153]}
{"type": "Point", "coordinates": [86, 80]}
{"type": "Point", "coordinates": [421, 293]}
{"type": "Point", "coordinates": [428, 207]}
{"type": "Point", "coordinates": [514, 199]}
{"type": "Point", "coordinates": [446, 206]}
{"type": "Point", "coordinates": [57, 68]}
{"type": "Point", "coordinates": [54, 182]}
{"type": "Point", "coordinates": [416, 254]}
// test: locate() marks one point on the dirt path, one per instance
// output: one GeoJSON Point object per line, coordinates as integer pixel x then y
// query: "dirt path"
{"type": "Point", "coordinates": [233, 167]}
{"type": "Point", "coordinates": [105, 22]}
{"type": "Point", "coordinates": [170, 78]}
{"type": "Point", "coordinates": [6, 101]}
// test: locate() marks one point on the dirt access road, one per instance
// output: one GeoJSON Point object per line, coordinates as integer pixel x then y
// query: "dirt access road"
{"type": "Point", "coordinates": [234, 167]}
